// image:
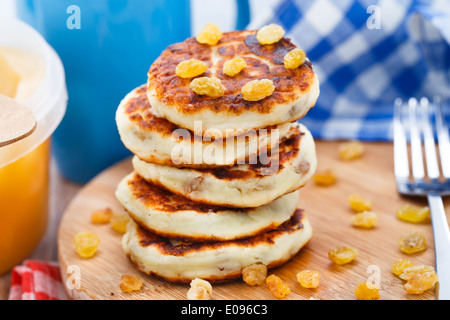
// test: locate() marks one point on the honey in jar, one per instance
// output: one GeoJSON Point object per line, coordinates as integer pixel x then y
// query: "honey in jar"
{"type": "Point", "coordinates": [32, 74]}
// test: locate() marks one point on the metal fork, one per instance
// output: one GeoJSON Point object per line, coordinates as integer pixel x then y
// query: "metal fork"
{"type": "Point", "coordinates": [413, 119]}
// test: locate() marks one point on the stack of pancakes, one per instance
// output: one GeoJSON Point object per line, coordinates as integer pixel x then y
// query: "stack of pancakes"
{"type": "Point", "coordinates": [215, 181]}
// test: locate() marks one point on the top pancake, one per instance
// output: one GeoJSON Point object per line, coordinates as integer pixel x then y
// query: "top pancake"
{"type": "Point", "coordinates": [296, 90]}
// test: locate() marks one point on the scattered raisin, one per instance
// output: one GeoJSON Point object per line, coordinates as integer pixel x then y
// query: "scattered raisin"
{"type": "Point", "coordinates": [358, 203]}
{"type": "Point", "coordinates": [102, 216]}
{"type": "Point", "coordinates": [365, 219]}
{"type": "Point", "coordinates": [325, 178]}
{"type": "Point", "coordinates": [414, 214]}
{"type": "Point", "coordinates": [399, 266]}
{"type": "Point", "coordinates": [277, 287]}
{"type": "Point", "coordinates": [351, 150]}
{"type": "Point", "coordinates": [308, 278]}
{"type": "Point", "coordinates": [119, 223]}
{"type": "Point", "coordinates": [413, 270]}
{"type": "Point", "coordinates": [420, 283]}
{"type": "Point", "coordinates": [255, 274]}
{"type": "Point", "coordinates": [343, 255]}
{"type": "Point", "coordinates": [86, 244]}
{"type": "Point", "coordinates": [199, 290]}
{"type": "Point", "coordinates": [365, 291]}
{"type": "Point", "coordinates": [130, 283]}
{"type": "Point", "coordinates": [412, 242]}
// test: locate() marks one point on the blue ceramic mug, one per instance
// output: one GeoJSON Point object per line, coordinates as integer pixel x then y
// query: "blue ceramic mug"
{"type": "Point", "coordinates": [107, 47]}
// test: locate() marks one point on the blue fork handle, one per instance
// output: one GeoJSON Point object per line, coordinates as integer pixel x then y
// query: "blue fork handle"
{"type": "Point", "coordinates": [441, 245]}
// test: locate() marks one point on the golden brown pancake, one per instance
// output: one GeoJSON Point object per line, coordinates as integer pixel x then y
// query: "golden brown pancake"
{"type": "Point", "coordinates": [157, 140]}
{"type": "Point", "coordinates": [296, 90]}
{"type": "Point", "coordinates": [170, 215]}
{"type": "Point", "coordinates": [218, 261]}
{"type": "Point", "coordinates": [246, 185]}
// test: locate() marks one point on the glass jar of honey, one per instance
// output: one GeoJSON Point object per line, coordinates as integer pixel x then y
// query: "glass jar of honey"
{"type": "Point", "coordinates": [32, 74]}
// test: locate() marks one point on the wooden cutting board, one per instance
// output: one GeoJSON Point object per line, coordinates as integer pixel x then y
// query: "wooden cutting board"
{"type": "Point", "coordinates": [326, 207]}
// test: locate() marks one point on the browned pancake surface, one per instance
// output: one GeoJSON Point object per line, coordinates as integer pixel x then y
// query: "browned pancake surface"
{"type": "Point", "coordinates": [138, 110]}
{"type": "Point", "coordinates": [274, 163]}
{"type": "Point", "coordinates": [166, 247]}
{"type": "Point", "coordinates": [263, 62]}
{"type": "Point", "coordinates": [161, 199]}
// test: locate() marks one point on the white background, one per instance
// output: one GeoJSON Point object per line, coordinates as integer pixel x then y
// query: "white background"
{"type": "Point", "coordinates": [222, 12]}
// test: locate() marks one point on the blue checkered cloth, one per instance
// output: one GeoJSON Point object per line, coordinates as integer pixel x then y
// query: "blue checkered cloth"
{"type": "Point", "coordinates": [366, 54]}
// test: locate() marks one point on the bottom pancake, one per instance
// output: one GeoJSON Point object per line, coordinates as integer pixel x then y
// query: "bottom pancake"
{"type": "Point", "coordinates": [218, 261]}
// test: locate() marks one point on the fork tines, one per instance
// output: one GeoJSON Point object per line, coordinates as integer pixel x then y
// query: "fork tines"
{"type": "Point", "coordinates": [417, 123]}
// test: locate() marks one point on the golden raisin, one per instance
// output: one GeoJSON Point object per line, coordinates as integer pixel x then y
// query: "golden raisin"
{"type": "Point", "coordinates": [254, 274]}
{"type": "Point", "coordinates": [270, 34]}
{"type": "Point", "coordinates": [411, 271]}
{"type": "Point", "coordinates": [234, 66]}
{"type": "Point", "coordinates": [413, 214]}
{"type": "Point", "coordinates": [257, 90]}
{"type": "Point", "coordinates": [351, 150]}
{"type": "Point", "coordinates": [101, 216]}
{"type": "Point", "coordinates": [130, 283]}
{"type": "Point", "coordinates": [308, 278]}
{"type": "Point", "coordinates": [278, 288]}
{"type": "Point", "coordinates": [399, 266]}
{"type": "Point", "coordinates": [421, 282]}
{"type": "Point", "coordinates": [325, 178]}
{"type": "Point", "coordinates": [119, 222]}
{"type": "Point", "coordinates": [191, 68]}
{"type": "Point", "coordinates": [343, 255]}
{"type": "Point", "coordinates": [86, 244]}
{"type": "Point", "coordinates": [367, 291]}
{"type": "Point", "coordinates": [359, 204]}
{"type": "Point", "coordinates": [365, 219]}
{"type": "Point", "coordinates": [199, 290]}
{"type": "Point", "coordinates": [294, 59]}
{"type": "Point", "coordinates": [210, 34]}
{"type": "Point", "coordinates": [211, 87]}
{"type": "Point", "coordinates": [412, 242]}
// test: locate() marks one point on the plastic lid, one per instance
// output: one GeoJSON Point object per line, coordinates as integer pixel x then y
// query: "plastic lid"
{"type": "Point", "coordinates": [49, 101]}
